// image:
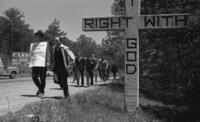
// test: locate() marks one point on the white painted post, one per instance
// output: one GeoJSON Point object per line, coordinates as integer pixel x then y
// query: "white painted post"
{"type": "Point", "coordinates": [131, 85]}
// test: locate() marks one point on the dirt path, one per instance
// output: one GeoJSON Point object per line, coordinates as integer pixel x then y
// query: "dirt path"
{"type": "Point", "coordinates": [14, 95]}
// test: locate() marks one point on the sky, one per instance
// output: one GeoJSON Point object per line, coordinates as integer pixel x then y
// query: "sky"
{"type": "Point", "coordinates": [39, 14]}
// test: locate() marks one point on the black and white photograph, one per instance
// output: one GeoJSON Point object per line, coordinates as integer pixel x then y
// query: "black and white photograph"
{"type": "Point", "coordinates": [99, 60]}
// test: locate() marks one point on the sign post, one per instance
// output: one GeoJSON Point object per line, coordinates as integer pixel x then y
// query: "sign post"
{"type": "Point", "coordinates": [131, 23]}
{"type": "Point", "coordinates": [131, 84]}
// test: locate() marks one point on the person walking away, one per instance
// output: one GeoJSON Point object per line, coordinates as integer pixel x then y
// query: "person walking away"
{"type": "Point", "coordinates": [60, 63]}
{"type": "Point", "coordinates": [106, 69]}
{"type": "Point", "coordinates": [82, 69]}
{"type": "Point", "coordinates": [114, 70]}
{"type": "Point", "coordinates": [96, 65]}
{"type": "Point", "coordinates": [100, 69]}
{"type": "Point", "coordinates": [38, 69]}
{"type": "Point", "coordinates": [76, 68]}
{"type": "Point", "coordinates": [90, 65]}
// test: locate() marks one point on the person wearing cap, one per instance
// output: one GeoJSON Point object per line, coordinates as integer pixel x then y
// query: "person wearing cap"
{"type": "Point", "coordinates": [39, 72]}
{"type": "Point", "coordinates": [60, 64]}
{"type": "Point", "coordinates": [90, 67]}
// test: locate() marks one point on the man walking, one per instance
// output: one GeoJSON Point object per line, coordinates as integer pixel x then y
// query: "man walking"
{"type": "Point", "coordinates": [114, 70]}
{"type": "Point", "coordinates": [60, 63]}
{"type": "Point", "coordinates": [90, 66]}
{"type": "Point", "coordinates": [38, 64]}
{"type": "Point", "coordinates": [82, 69]}
{"type": "Point", "coordinates": [76, 68]}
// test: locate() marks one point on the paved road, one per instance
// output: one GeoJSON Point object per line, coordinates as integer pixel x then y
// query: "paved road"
{"type": "Point", "coordinates": [15, 93]}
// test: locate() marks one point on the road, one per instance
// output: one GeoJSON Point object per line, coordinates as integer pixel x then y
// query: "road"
{"type": "Point", "coordinates": [16, 93]}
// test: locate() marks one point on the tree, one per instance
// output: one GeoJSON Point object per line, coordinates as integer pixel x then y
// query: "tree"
{"type": "Point", "coordinates": [14, 33]}
{"type": "Point", "coordinates": [170, 58]}
{"type": "Point", "coordinates": [113, 45]}
{"type": "Point", "coordinates": [18, 34]}
{"type": "Point", "coordinates": [85, 46]}
{"type": "Point", "coordinates": [114, 48]}
{"type": "Point", "coordinates": [54, 31]}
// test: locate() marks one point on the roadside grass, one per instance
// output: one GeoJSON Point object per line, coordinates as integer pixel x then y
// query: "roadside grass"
{"type": "Point", "coordinates": [104, 104]}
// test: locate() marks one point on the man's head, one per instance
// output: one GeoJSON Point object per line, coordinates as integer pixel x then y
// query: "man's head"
{"type": "Point", "coordinates": [39, 35]}
{"type": "Point", "coordinates": [57, 41]}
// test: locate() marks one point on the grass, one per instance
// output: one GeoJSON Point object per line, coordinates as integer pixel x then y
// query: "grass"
{"type": "Point", "coordinates": [104, 104]}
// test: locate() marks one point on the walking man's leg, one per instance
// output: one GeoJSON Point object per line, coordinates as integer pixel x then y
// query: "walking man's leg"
{"type": "Point", "coordinates": [87, 77]}
{"type": "Point", "coordinates": [35, 75]}
{"type": "Point", "coordinates": [63, 80]}
{"type": "Point", "coordinates": [91, 77]}
{"type": "Point", "coordinates": [77, 77]}
{"type": "Point", "coordinates": [43, 79]}
{"type": "Point", "coordinates": [95, 75]}
{"type": "Point", "coordinates": [82, 78]}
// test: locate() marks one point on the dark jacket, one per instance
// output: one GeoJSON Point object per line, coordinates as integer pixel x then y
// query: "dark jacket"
{"type": "Point", "coordinates": [114, 68]}
{"type": "Point", "coordinates": [65, 57]}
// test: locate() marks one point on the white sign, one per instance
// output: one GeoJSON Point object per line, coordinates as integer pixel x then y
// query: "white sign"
{"type": "Point", "coordinates": [20, 58]}
{"type": "Point", "coordinates": [38, 54]}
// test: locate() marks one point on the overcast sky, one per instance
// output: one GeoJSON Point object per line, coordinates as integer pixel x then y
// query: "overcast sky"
{"type": "Point", "coordinates": [41, 13]}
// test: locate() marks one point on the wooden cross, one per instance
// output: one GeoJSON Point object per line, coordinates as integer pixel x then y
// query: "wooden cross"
{"type": "Point", "coordinates": [131, 23]}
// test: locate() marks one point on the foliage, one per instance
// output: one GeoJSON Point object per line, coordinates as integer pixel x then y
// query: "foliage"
{"type": "Point", "coordinates": [14, 32]}
{"type": "Point", "coordinates": [113, 45]}
{"type": "Point", "coordinates": [85, 46]}
{"type": "Point", "coordinates": [169, 59]}
{"type": "Point", "coordinates": [54, 31]}
{"type": "Point", "coordinates": [113, 48]}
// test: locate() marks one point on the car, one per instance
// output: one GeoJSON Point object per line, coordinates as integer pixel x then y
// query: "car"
{"type": "Point", "coordinates": [10, 71]}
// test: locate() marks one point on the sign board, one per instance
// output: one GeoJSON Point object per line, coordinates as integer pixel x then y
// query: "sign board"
{"type": "Point", "coordinates": [131, 23]}
{"type": "Point", "coordinates": [106, 23]}
{"type": "Point", "coordinates": [38, 54]}
{"type": "Point", "coordinates": [20, 58]}
{"type": "Point", "coordinates": [164, 21]}
{"type": "Point", "coordinates": [145, 22]}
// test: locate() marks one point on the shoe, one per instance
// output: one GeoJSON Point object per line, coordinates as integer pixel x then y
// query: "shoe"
{"type": "Point", "coordinates": [41, 95]}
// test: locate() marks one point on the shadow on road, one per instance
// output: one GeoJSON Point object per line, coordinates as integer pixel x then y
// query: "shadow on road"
{"type": "Point", "coordinates": [78, 86]}
{"type": "Point", "coordinates": [55, 89]}
{"type": "Point", "coordinates": [54, 97]}
{"type": "Point", "coordinates": [28, 95]}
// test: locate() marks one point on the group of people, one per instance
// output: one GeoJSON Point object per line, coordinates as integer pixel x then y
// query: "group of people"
{"type": "Point", "coordinates": [60, 63]}
{"type": "Point", "coordinates": [91, 67]}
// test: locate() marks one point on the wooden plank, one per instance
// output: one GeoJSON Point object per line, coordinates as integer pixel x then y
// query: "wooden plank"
{"type": "Point", "coordinates": [131, 85]}
{"type": "Point", "coordinates": [116, 23]}
{"type": "Point", "coordinates": [158, 21]}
